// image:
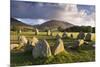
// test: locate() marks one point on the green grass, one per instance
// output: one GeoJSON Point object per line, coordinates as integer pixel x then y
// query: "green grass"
{"type": "Point", "coordinates": [85, 53]}
{"type": "Point", "coordinates": [25, 58]}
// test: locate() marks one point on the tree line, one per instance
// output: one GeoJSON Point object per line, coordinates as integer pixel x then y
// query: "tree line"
{"type": "Point", "coordinates": [78, 29]}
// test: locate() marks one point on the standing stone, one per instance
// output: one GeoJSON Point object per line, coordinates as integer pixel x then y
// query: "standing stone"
{"type": "Point", "coordinates": [71, 35]}
{"type": "Point", "coordinates": [48, 33]}
{"type": "Point", "coordinates": [81, 35]}
{"type": "Point", "coordinates": [23, 41]}
{"type": "Point", "coordinates": [58, 36]}
{"type": "Point", "coordinates": [64, 35]}
{"type": "Point", "coordinates": [88, 37]}
{"type": "Point", "coordinates": [34, 41]}
{"type": "Point", "coordinates": [36, 31]}
{"type": "Point", "coordinates": [59, 47]}
{"type": "Point", "coordinates": [41, 49]}
{"type": "Point", "coordinates": [78, 43]}
{"type": "Point", "coordinates": [20, 31]}
{"type": "Point", "coordinates": [51, 34]}
{"type": "Point", "coordinates": [18, 34]}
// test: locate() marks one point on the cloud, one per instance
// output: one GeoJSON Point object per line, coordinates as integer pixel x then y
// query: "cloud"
{"type": "Point", "coordinates": [75, 14]}
{"type": "Point", "coordinates": [32, 21]}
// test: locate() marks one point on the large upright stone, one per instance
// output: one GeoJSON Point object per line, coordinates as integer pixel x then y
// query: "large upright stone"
{"type": "Point", "coordinates": [81, 35]}
{"type": "Point", "coordinates": [48, 33]}
{"type": "Point", "coordinates": [64, 35]}
{"type": "Point", "coordinates": [88, 37]}
{"type": "Point", "coordinates": [34, 41]}
{"type": "Point", "coordinates": [58, 47]}
{"type": "Point", "coordinates": [36, 31]}
{"type": "Point", "coordinates": [23, 40]}
{"type": "Point", "coordinates": [41, 49]}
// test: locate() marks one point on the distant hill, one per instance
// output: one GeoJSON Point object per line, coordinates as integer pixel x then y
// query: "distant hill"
{"type": "Point", "coordinates": [54, 25]}
{"type": "Point", "coordinates": [16, 25]}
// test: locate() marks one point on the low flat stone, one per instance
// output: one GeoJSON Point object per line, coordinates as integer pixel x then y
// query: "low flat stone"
{"type": "Point", "coordinates": [12, 46]}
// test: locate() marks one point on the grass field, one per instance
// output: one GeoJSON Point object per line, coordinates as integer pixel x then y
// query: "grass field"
{"type": "Point", "coordinates": [85, 53]}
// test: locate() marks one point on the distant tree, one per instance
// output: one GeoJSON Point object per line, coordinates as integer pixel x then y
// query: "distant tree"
{"type": "Point", "coordinates": [80, 28]}
{"type": "Point", "coordinates": [93, 30]}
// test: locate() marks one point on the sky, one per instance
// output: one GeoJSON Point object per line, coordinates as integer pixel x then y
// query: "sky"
{"type": "Point", "coordinates": [38, 12]}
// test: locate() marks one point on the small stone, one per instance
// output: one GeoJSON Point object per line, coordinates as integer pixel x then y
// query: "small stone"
{"type": "Point", "coordinates": [81, 35]}
{"type": "Point", "coordinates": [51, 34]}
{"type": "Point", "coordinates": [29, 46]}
{"type": "Point", "coordinates": [64, 35]}
{"type": "Point", "coordinates": [93, 46]}
{"type": "Point", "coordinates": [58, 36]}
{"type": "Point", "coordinates": [23, 40]}
{"type": "Point", "coordinates": [78, 43]}
{"type": "Point", "coordinates": [34, 41]}
{"type": "Point", "coordinates": [88, 37]}
{"type": "Point", "coordinates": [36, 31]}
{"type": "Point", "coordinates": [81, 42]}
{"type": "Point", "coordinates": [48, 33]}
{"type": "Point", "coordinates": [12, 46]}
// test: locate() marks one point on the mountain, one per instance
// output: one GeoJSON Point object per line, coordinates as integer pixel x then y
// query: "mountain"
{"type": "Point", "coordinates": [54, 25]}
{"type": "Point", "coordinates": [17, 25]}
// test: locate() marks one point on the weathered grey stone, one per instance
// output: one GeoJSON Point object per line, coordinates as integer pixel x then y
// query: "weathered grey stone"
{"type": "Point", "coordinates": [64, 35]}
{"type": "Point", "coordinates": [12, 46]}
{"type": "Point", "coordinates": [78, 43]}
{"type": "Point", "coordinates": [58, 47]}
{"type": "Point", "coordinates": [48, 33]}
{"type": "Point", "coordinates": [41, 49]}
{"type": "Point", "coordinates": [18, 34]}
{"type": "Point", "coordinates": [51, 34]}
{"type": "Point", "coordinates": [88, 37]}
{"type": "Point", "coordinates": [36, 31]}
{"type": "Point", "coordinates": [71, 35]}
{"type": "Point", "coordinates": [93, 45]}
{"type": "Point", "coordinates": [34, 41]}
{"type": "Point", "coordinates": [23, 40]}
{"type": "Point", "coordinates": [81, 35]}
{"type": "Point", "coordinates": [29, 46]}
{"type": "Point", "coordinates": [58, 36]}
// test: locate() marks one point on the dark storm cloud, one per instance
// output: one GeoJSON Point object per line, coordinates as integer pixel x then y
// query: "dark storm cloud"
{"type": "Point", "coordinates": [76, 14]}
